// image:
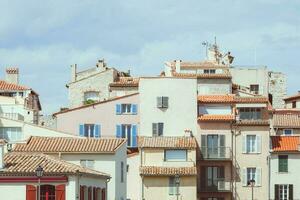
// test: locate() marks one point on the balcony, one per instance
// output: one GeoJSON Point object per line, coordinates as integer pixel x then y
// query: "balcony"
{"type": "Point", "coordinates": [216, 153]}
{"type": "Point", "coordinates": [13, 116]}
{"type": "Point", "coordinates": [219, 185]}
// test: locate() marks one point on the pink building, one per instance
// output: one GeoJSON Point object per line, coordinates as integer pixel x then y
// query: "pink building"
{"type": "Point", "coordinates": [116, 117]}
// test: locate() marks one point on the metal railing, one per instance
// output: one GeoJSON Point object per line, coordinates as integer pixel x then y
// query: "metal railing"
{"type": "Point", "coordinates": [215, 153]}
{"type": "Point", "coordinates": [13, 116]}
{"type": "Point", "coordinates": [219, 185]}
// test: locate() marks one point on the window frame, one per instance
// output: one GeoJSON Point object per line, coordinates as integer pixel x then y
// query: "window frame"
{"type": "Point", "coordinates": [253, 144]}
{"type": "Point", "coordinates": [159, 129]}
{"type": "Point", "coordinates": [176, 159]}
{"type": "Point", "coordinates": [162, 102]}
{"type": "Point", "coordinates": [172, 186]}
{"type": "Point", "coordinates": [126, 108]}
{"type": "Point", "coordinates": [292, 132]}
{"type": "Point", "coordinates": [254, 88]}
{"type": "Point", "coordinates": [250, 174]}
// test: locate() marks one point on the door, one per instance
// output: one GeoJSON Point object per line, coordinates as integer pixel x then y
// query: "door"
{"type": "Point", "coordinates": [215, 178]}
{"type": "Point", "coordinates": [212, 146]}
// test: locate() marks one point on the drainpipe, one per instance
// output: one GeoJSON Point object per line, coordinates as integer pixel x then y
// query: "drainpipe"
{"type": "Point", "coordinates": [269, 168]}
{"type": "Point", "coordinates": [231, 175]}
{"type": "Point", "coordinates": [106, 187]}
{"type": "Point", "coordinates": [77, 184]}
{"type": "Point", "coordinates": [141, 164]}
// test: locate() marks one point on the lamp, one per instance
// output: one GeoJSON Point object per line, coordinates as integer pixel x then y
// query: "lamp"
{"type": "Point", "coordinates": [252, 184]}
{"type": "Point", "coordinates": [39, 173]}
{"type": "Point", "coordinates": [177, 182]}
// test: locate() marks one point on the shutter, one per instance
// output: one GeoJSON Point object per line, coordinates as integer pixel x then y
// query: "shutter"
{"type": "Point", "coordinates": [244, 176]}
{"type": "Point", "coordinates": [154, 129]}
{"type": "Point", "coordinates": [276, 195]}
{"type": "Point", "coordinates": [134, 136]}
{"type": "Point", "coordinates": [81, 130]}
{"type": "Point", "coordinates": [118, 109]}
{"type": "Point", "coordinates": [159, 102]}
{"type": "Point", "coordinates": [81, 192]}
{"type": "Point", "coordinates": [203, 146]}
{"type": "Point", "coordinates": [221, 172]}
{"type": "Point", "coordinates": [258, 143]}
{"type": "Point", "coordinates": [160, 129]}
{"type": "Point", "coordinates": [165, 102]}
{"type": "Point", "coordinates": [30, 192]}
{"type": "Point", "coordinates": [103, 194]}
{"type": "Point", "coordinates": [95, 193]}
{"type": "Point", "coordinates": [97, 130]}
{"type": "Point", "coordinates": [258, 176]}
{"type": "Point", "coordinates": [222, 149]}
{"type": "Point", "coordinates": [60, 192]}
{"type": "Point", "coordinates": [134, 109]}
{"type": "Point", "coordinates": [90, 193]}
{"type": "Point", "coordinates": [203, 177]}
{"type": "Point", "coordinates": [244, 143]}
{"type": "Point", "coordinates": [118, 131]}
{"type": "Point", "coordinates": [291, 192]}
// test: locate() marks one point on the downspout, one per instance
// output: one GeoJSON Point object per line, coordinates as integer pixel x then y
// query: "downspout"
{"type": "Point", "coordinates": [106, 186]}
{"type": "Point", "coordinates": [269, 168]}
{"type": "Point", "coordinates": [141, 164]}
{"type": "Point", "coordinates": [77, 185]}
{"type": "Point", "coordinates": [231, 170]}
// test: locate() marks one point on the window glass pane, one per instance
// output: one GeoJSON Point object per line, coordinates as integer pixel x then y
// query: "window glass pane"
{"type": "Point", "coordinates": [175, 155]}
{"type": "Point", "coordinates": [288, 132]}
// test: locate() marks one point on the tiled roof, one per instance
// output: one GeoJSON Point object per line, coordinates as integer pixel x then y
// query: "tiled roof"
{"type": "Point", "coordinates": [297, 96]}
{"type": "Point", "coordinates": [168, 171]}
{"type": "Point", "coordinates": [18, 163]}
{"type": "Point", "coordinates": [204, 76]}
{"type": "Point", "coordinates": [251, 99]}
{"type": "Point", "coordinates": [167, 142]}
{"type": "Point", "coordinates": [286, 120]}
{"type": "Point", "coordinates": [125, 82]}
{"type": "Point", "coordinates": [5, 86]}
{"type": "Point", "coordinates": [70, 145]}
{"type": "Point", "coordinates": [252, 122]}
{"type": "Point", "coordinates": [216, 98]}
{"type": "Point", "coordinates": [209, 117]}
{"type": "Point", "coordinates": [285, 143]}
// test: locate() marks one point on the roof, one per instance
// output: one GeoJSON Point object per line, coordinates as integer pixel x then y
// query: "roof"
{"type": "Point", "coordinates": [252, 122]}
{"type": "Point", "coordinates": [19, 163]}
{"type": "Point", "coordinates": [285, 143]}
{"type": "Point", "coordinates": [216, 98]}
{"type": "Point", "coordinates": [199, 64]}
{"type": "Point", "coordinates": [167, 142]}
{"type": "Point", "coordinates": [6, 86]}
{"type": "Point", "coordinates": [209, 117]}
{"type": "Point", "coordinates": [297, 96]}
{"type": "Point", "coordinates": [93, 104]}
{"type": "Point", "coordinates": [286, 120]}
{"type": "Point", "coordinates": [125, 82]}
{"type": "Point", "coordinates": [260, 99]}
{"type": "Point", "coordinates": [168, 171]}
{"type": "Point", "coordinates": [204, 76]}
{"type": "Point", "coordinates": [70, 145]}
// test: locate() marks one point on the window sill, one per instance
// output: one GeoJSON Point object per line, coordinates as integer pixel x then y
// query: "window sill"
{"type": "Point", "coordinates": [282, 172]}
{"type": "Point", "coordinates": [252, 153]}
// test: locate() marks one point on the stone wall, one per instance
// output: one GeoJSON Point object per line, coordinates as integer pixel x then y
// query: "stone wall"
{"type": "Point", "coordinates": [277, 88]}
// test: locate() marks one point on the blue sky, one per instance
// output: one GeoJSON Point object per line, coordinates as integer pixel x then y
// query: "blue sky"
{"type": "Point", "coordinates": [44, 38]}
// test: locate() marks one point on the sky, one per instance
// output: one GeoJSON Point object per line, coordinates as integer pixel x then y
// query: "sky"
{"type": "Point", "coordinates": [43, 38]}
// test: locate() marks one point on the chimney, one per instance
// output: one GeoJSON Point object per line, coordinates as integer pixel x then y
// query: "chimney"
{"type": "Point", "coordinates": [101, 64]}
{"type": "Point", "coordinates": [73, 72]}
{"type": "Point", "coordinates": [12, 75]}
{"type": "Point", "coordinates": [177, 65]}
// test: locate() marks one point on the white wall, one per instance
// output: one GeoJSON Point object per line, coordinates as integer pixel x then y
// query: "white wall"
{"type": "Point", "coordinates": [182, 111]}
{"type": "Point", "coordinates": [134, 180]}
{"type": "Point", "coordinates": [13, 191]}
{"type": "Point", "coordinates": [215, 109]}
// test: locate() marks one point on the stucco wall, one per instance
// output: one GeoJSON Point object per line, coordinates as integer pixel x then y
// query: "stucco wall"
{"type": "Point", "coordinates": [134, 180]}
{"type": "Point", "coordinates": [214, 86]}
{"type": "Point", "coordinates": [278, 88]}
{"type": "Point", "coordinates": [121, 91]}
{"type": "Point", "coordinates": [289, 103]}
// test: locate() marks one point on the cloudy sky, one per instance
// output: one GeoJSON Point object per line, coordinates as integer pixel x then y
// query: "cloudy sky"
{"type": "Point", "coordinates": [44, 38]}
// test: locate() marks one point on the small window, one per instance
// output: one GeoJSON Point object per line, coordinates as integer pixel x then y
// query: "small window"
{"type": "Point", "coordinates": [173, 186]}
{"type": "Point", "coordinates": [251, 175]}
{"type": "Point", "coordinates": [157, 129]}
{"type": "Point", "coordinates": [175, 155]}
{"type": "Point", "coordinates": [209, 71]}
{"type": "Point", "coordinates": [91, 97]}
{"type": "Point", "coordinates": [294, 104]}
{"type": "Point", "coordinates": [282, 163]}
{"type": "Point", "coordinates": [89, 130]}
{"type": "Point", "coordinates": [122, 172]}
{"type": "Point", "coordinates": [125, 108]}
{"type": "Point", "coordinates": [87, 163]}
{"type": "Point", "coordinates": [288, 131]}
{"type": "Point", "coordinates": [251, 143]}
{"type": "Point", "coordinates": [254, 88]}
{"type": "Point", "coordinates": [162, 102]}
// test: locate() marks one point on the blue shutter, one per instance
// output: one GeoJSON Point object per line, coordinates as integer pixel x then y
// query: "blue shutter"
{"type": "Point", "coordinates": [118, 109]}
{"type": "Point", "coordinates": [97, 129]}
{"type": "Point", "coordinates": [118, 131]}
{"type": "Point", "coordinates": [134, 136]}
{"type": "Point", "coordinates": [81, 130]}
{"type": "Point", "coordinates": [134, 109]}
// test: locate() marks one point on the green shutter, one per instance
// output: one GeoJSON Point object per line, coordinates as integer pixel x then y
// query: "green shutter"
{"type": "Point", "coordinates": [282, 163]}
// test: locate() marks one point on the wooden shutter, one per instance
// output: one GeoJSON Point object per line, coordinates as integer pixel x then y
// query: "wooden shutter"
{"type": "Point", "coordinates": [81, 192]}
{"type": "Point", "coordinates": [60, 192]}
{"type": "Point", "coordinates": [134, 109]}
{"type": "Point", "coordinates": [291, 192]}
{"type": "Point", "coordinates": [154, 129]}
{"type": "Point", "coordinates": [221, 172]}
{"type": "Point", "coordinates": [134, 136]}
{"type": "Point", "coordinates": [276, 195]}
{"type": "Point", "coordinates": [258, 143]}
{"type": "Point", "coordinates": [103, 194]}
{"type": "Point", "coordinates": [81, 130]}
{"type": "Point", "coordinates": [159, 102]}
{"type": "Point", "coordinates": [244, 174]}
{"type": "Point", "coordinates": [30, 192]}
{"type": "Point", "coordinates": [244, 143]}
{"type": "Point", "coordinates": [118, 131]}
{"type": "Point", "coordinates": [95, 193]}
{"type": "Point", "coordinates": [258, 176]}
{"type": "Point", "coordinates": [203, 177]}
{"type": "Point", "coordinates": [160, 129]}
{"type": "Point", "coordinates": [118, 109]}
{"type": "Point", "coordinates": [97, 130]}
{"type": "Point", "coordinates": [89, 193]}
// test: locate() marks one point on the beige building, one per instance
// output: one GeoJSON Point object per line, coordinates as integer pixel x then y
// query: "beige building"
{"type": "Point", "coordinates": [292, 102]}
{"type": "Point", "coordinates": [168, 168]}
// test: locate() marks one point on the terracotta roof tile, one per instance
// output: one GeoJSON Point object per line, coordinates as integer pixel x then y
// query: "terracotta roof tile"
{"type": "Point", "coordinates": [204, 76]}
{"type": "Point", "coordinates": [209, 117]}
{"type": "Point", "coordinates": [3, 141]}
{"type": "Point", "coordinates": [216, 98]}
{"type": "Point", "coordinates": [125, 82]}
{"type": "Point", "coordinates": [167, 142]}
{"type": "Point", "coordinates": [285, 120]}
{"type": "Point", "coordinates": [19, 163]}
{"type": "Point", "coordinates": [70, 145]}
{"type": "Point", "coordinates": [285, 143]}
{"type": "Point", "coordinates": [297, 96]}
{"type": "Point", "coordinates": [5, 86]}
{"type": "Point", "coordinates": [252, 122]}
{"type": "Point", "coordinates": [167, 171]}
{"type": "Point", "coordinates": [251, 99]}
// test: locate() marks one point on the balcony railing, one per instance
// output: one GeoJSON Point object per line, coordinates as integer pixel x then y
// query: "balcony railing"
{"type": "Point", "coordinates": [215, 153]}
{"type": "Point", "coordinates": [219, 185]}
{"type": "Point", "coordinates": [13, 116]}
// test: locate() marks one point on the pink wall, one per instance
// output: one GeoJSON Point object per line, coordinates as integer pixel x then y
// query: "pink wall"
{"type": "Point", "coordinates": [103, 114]}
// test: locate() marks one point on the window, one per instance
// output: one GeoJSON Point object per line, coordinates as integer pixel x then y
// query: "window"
{"type": "Point", "coordinates": [175, 155]}
{"type": "Point", "coordinates": [283, 163]}
{"type": "Point", "coordinates": [47, 192]}
{"type": "Point", "coordinates": [126, 109]}
{"type": "Point", "coordinates": [254, 88]}
{"type": "Point", "coordinates": [87, 163]}
{"type": "Point", "coordinates": [251, 144]}
{"type": "Point", "coordinates": [128, 131]}
{"type": "Point", "coordinates": [284, 192]}
{"type": "Point", "coordinates": [251, 175]}
{"type": "Point", "coordinates": [288, 131]}
{"type": "Point", "coordinates": [209, 71]}
{"type": "Point", "coordinates": [90, 130]}
{"type": "Point", "coordinates": [157, 129]}
{"type": "Point", "coordinates": [294, 104]}
{"type": "Point", "coordinates": [11, 134]}
{"type": "Point", "coordinates": [173, 187]}
{"type": "Point", "coordinates": [122, 172]}
{"type": "Point", "coordinates": [250, 113]}
{"type": "Point", "coordinates": [162, 102]}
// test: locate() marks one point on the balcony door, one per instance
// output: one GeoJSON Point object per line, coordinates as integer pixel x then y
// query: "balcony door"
{"type": "Point", "coordinates": [213, 146]}
{"type": "Point", "coordinates": [214, 178]}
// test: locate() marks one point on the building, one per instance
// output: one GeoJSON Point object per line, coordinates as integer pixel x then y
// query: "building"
{"type": "Point", "coordinates": [98, 83]}
{"type": "Point", "coordinates": [60, 179]}
{"type": "Point", "coordinates": [284, 167]}
{"type": "Point", "coordinates": [115, 117]}
{"type": "Point", "coordinates": [168, 167]}
{"type": "Point", "coordinates": [285, 122]}
{"type": "Point", "coordinates": [107, 155]}
{"type": "Point", "coordinates": [16, 101]}
{"type": "Point", "coordinates": [292, 102]}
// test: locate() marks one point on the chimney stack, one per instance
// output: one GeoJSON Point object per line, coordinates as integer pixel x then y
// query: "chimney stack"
{"type": "Point", "coordinates": [73, 72]}
{"type": "Point", "coordinates": [12, 75]}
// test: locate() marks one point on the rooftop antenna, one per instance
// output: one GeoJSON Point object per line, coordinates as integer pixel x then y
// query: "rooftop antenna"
{"type": "Point", "coordinates": [215, 40]}
{"type": "Point", "coordinates": [205, 43]}
{"type": "Point", "coordinates": [255, 55]}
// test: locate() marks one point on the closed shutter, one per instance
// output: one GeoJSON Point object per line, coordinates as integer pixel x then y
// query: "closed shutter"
{"type": "Point", "coordinates": [154, 129]}
{"type": "Point", "coordinates": [134, 136]}
{"type": "Point", "coordinates": [203, 177]}
{"type": "Point", "coordinates": [244, 144]}
{"type": "Point", "coordinates": [221, 172]}
{"type": "Point", "coordinates": [165, 102]}
{"type": "Point", "coordinates": [159, 102]}
{"type": "Point", "coordinates": [203, 146]}
{"type": "Point", "coordinates": [244, 173]}
{"type": "Point", "coordinates": [103, 194]}
{"type": "Point", "coordinates": [291, 192]}
{"type": "Point", "coordinates": [30, 192]}
{"type": "Point", "coordinates": [97, 131]}
{"type": "Point", "coordinates": [90, 193]}
{"type": "Point", "coordinates": [118, 131]}
{"type": "Point", "coordinates": [134, 109]}
{"type": "Point", "coordinates": [276, 195]}
{"type": "Point", "coordinates": [258, 143]}
{"type": "Point", "coordinates": [81, 192]}
{"type": "Point", "coordinates": [118, 109]}
{"type": "Point", "coordinates": [60, 192]}
{"type": "Point", "coordinates": [95, 193]}
{"type": "Point", "coordinates": [81, 130]}
{"type": "Point", "coordinates": [160, 129]}
{"type": "Point", "coordinates": [258, 176]}
{"type": "Point", "coordinates": [222, 149]}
